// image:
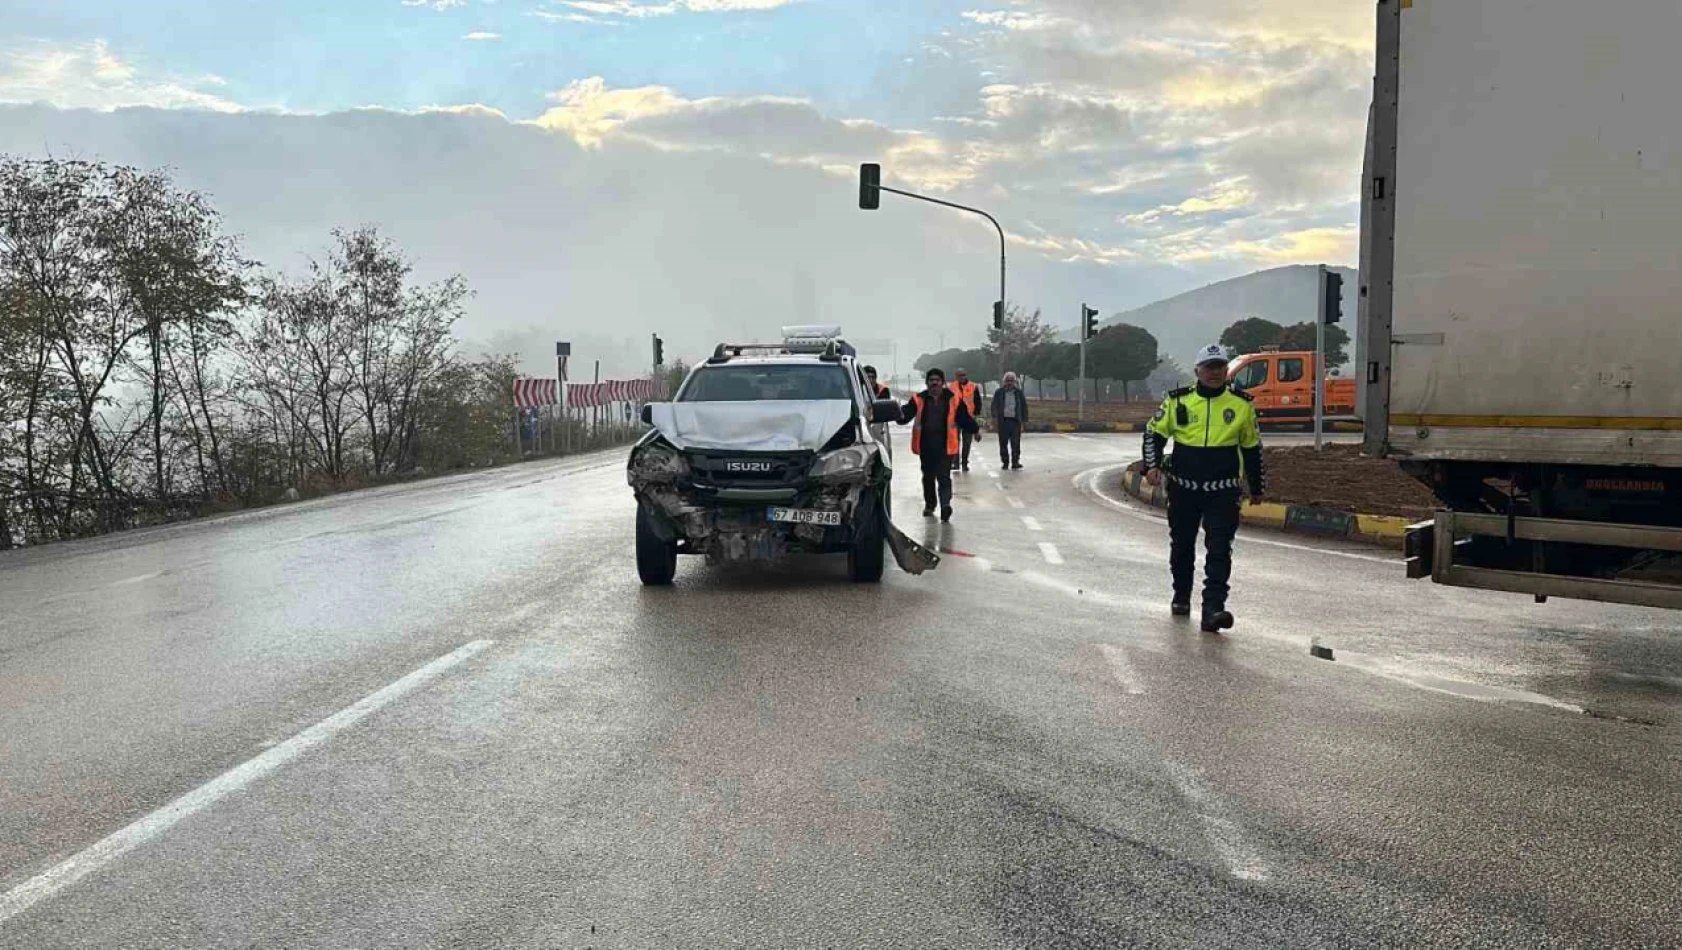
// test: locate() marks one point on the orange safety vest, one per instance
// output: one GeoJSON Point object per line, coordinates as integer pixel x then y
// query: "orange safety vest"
{"type": "Point", "coordinates": [951, 426]}
{"type": "Point", "coordinates": [966, 392]}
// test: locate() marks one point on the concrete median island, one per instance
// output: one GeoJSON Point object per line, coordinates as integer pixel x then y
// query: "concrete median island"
{"type": "Point", "coordinates": [1335, 493]}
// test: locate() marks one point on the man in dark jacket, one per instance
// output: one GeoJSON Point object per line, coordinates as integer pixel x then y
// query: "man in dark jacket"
{"type": "Point", "coordinates": [1010, 414]}
{"type": "Point", "coordinates": [937, 417]}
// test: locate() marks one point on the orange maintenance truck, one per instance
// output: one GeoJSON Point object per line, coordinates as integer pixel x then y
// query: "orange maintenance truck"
{"type": "Point", "coordinates": [1282, 386]}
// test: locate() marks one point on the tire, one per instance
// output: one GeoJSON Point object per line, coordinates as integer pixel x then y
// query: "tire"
{"type": "Point", "coordinates": [656, 559]}
{"type": "Point", "coordinates": [866, 556]}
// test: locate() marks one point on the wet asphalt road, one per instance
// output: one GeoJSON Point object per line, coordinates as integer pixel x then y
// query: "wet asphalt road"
{"type": "Point", "coordinates": [1021, 749]}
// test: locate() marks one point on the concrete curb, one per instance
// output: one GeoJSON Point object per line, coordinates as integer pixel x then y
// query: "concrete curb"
{"type": "Point", "coordinates": [1300, 519]}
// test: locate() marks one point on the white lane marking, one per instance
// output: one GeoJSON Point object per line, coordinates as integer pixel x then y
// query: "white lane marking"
{"type": "Point", "coordinates": [992, 474]}
{"type": "Point", "coordinates": [1124, 672]}
{"type": "Point", "coordinates": [1087, 481]}
{"type": "Point", "coordinates": [1032, 524]}
{"type": "Point", "coordinates": [1069, 437]}
{"type": "Point", "coordinates": [1241, 859]}
{"type": "Point", "coordinates": [138, 578]}
{"type": "Point", "coordinates": [118, 843]}
{"type": "Point", "coordinates": [1049, 552]}
{"type": "Point", "coordinates": [1015, 502]}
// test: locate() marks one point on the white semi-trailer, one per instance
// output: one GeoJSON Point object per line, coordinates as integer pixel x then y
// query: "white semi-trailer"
{"type": "Point", "coordinates": [1522, 290]}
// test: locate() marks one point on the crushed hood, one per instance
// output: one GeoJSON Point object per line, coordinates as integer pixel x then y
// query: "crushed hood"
{"type": "Point", "coordinates": [767, 426]}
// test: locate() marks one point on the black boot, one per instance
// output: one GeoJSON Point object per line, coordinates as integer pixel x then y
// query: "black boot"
{"type": "Point", "coordinates": [1214, 621]}
{"type": "Point", "coordinates": [946, 513]}
{"type": "Point", "coordinates": [1180, 608]}
{"type": "Point", "coordinates": [928, 512]}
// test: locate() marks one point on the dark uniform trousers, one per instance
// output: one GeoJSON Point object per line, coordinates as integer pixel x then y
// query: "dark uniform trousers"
{"type": "Point", "coordinates": [937, 479]}
{"type": "Point", "coordinates": [1010, 441]}
{"type": "Point", "coordinates": [1216, 513]}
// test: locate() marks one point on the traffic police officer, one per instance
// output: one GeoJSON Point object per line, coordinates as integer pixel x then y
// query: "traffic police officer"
{"type": "Point", "coordinates": [1217, 448]}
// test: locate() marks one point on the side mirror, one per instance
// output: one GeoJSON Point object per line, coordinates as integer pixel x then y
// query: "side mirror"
{"type": "Point", "coordinates": [647, 414]}
{"type": "Point", "coordinates": [883, 411]}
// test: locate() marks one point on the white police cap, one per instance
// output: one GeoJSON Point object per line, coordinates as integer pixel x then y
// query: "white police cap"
{"type": "Point", "coordinates": [1213, 353]}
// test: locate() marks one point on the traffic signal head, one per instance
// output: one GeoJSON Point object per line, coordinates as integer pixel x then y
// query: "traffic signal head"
{"type": "Point", "coordinates": [1334, 296]}
{"type": "Point", "coordinates": [870, 186]}
{"type": "Point", "coordinates": [659, 351]}
{"type": "Point", "coordinates": [1088, 322]}
{"type": "Point", "coordinates": [998, 314]}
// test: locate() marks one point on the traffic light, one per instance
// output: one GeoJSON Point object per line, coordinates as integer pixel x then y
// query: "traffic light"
{"type": "Point", "coordinates": [1088, 322]}
{"type": "Point", "coordinates": [659, 351]}
{"type": "Point", "coordinates": [998, 314]}
{"type": "Point", "coordinates": [870, 186]}
{"type": "Point", "coordinates": [1334, 296]}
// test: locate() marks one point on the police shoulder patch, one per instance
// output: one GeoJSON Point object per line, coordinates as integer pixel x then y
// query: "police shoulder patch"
{"type": "Point", "coordinates": [1228, 415]}
{"type": "Point", "coordinates": [1161, 414]}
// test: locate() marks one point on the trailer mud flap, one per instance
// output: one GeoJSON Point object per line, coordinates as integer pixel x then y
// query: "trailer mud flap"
{"type": "Point", "coordinates": [912, 557]}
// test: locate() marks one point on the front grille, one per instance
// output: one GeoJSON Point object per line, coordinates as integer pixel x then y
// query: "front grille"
{"type": "Point", "coordinates": [710, 471]}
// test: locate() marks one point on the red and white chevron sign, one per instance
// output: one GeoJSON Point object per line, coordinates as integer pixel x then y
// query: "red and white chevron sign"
{"type": "Point", "coordinates": [607, 392]}
{"type": "Point", "coordinates": [531, 393]}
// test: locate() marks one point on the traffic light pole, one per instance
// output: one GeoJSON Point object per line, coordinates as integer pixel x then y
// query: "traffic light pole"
{"type": "Point", "coordinates": [949, 204]}
{"type": "Point", "coordinates": [1320, 365]}
{"type": "Point", "coordinates": [1080, 407]}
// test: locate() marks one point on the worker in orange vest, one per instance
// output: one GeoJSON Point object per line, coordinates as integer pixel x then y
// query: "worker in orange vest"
{"type": "Point", "coordinates": [970, 394]}
{"type": "Point", "coordinates": [937, 417]}
{"type": "Point", "coordinates": [877, 390]}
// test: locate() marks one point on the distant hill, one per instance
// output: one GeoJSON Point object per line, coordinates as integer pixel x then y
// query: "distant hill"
{"type": "Point", "coordinates": [1184, 323]}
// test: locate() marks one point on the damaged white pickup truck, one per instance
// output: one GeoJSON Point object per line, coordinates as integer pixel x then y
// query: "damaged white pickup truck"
{"type": "Point", "coordinates": [767, 451]}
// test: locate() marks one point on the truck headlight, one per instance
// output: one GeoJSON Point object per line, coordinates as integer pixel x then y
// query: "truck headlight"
{"type": "Point", "coordinates": [849, 462]}
{"type": "Point", "coordinates": [655, 462]}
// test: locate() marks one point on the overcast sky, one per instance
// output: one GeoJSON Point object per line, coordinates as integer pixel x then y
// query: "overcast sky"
{"type": "Point", "coordinates": [601, 169]}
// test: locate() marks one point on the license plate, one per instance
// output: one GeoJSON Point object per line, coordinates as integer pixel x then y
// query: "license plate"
{"type": "Point", "coordinates": [806, 516]}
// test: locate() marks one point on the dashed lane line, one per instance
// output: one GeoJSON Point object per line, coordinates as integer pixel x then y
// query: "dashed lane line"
{"type": "Point", "coordinates": [1123, 670]}
{"type": "Point", "coordinates": [1224, 835]}
{"type": "Point", "coordinates": [1049, 552]}
{"type": "Point", "coordinates": [1032, 524]}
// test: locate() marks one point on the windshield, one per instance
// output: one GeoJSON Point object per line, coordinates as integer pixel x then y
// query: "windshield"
{"type": "Point", "coordinates": [797, 382]}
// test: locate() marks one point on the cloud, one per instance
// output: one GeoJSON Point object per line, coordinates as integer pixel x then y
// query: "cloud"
{"type": "Point", "coordinates": [91, 76]}
{"type": "Point", "coordinates": [1310, 246]}
{"type": "Point", "coordinates": [781, 129]}
{"type": "Point", "coordinates": [1014, 19]}
{"type": "Point", "coordinates": [638, 9]}
{"type": "Point", "coordinates": [439, 5]}
{"type": "Point", "coordinates": [480, 36]}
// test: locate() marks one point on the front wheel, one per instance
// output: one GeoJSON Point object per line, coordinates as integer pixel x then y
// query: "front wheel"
{"type": "Point", "coordinates": [656, 558]}
{"type": "Point", "coordinates": [865, 558]}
